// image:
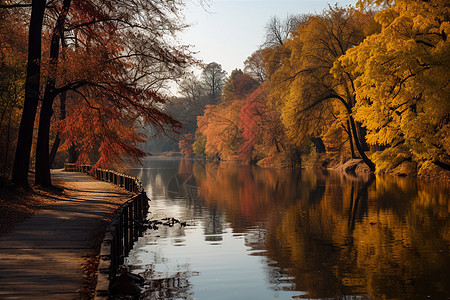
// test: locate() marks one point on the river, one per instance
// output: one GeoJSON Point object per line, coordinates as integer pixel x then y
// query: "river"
{"type": "Point", "coordinates": [255, 233]}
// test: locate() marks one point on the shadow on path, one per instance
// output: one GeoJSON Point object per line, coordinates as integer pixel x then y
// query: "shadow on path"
{"type": "Point", "coordinates": [42, 258]}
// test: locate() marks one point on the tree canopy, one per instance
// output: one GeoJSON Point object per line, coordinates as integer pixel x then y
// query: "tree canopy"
{"type": "Point", "coordinates": [368, 82]}
{"type": "Point", "coordinates": [345, 83]}
{"type": "Point", "coordinates": [402, 76]}
{"type": "Point", "coordinates": [112, 61]}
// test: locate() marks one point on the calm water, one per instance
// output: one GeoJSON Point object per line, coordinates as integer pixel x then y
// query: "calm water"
{"type": "Point", "coordinates": [256, 233]}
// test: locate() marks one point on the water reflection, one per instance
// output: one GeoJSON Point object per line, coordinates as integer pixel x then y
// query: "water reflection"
{"type": "Point", "coordinates": [268, 233]}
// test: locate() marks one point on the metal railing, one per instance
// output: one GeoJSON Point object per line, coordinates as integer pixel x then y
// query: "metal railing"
{"type": "Point", "coordinates": [125, 226]}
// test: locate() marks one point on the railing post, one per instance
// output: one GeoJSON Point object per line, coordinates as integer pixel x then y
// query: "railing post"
{"type": "Point", "coordinates": [138, 206]}
{"type": "Point", "coordinates": [136, 232]}
{"type": "Point", "coordinates": [122, 231]}
{"type": "Point", "coordinates": [131, 224]}
{"type": "Point", "coordinates": [114, 249]}
{"type": "Point", "coordinates": [126, 228]}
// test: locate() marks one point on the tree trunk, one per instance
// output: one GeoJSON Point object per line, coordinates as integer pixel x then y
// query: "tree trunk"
{"type": "Point", "coordinates": [42, 176]}
{"type": "Point", "coordinates": [54, 150]}
{"type": "Point", "coordinates": [32, 81]}
{"type": "Point", "coordinates": [8, 132]}
{"type": "Point", "coordinates": [354, 130]}
{"type": "Point", "coordinates": [362, 136]}
{"type": "Point", "coordinates": [73, 154]}
{"type": "Point", "coordinates": [62, 116]}
{"type": "Point", "coordinates": [276, 145]}
{"type": "Point", "coordinates": [361, 152]}
{"type": "Point", "coordinates": [318, 144]}
{"type": "Point", "coordinates": [350, 139]}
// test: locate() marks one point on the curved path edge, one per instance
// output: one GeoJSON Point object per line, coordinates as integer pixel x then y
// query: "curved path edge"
{"type": "Point", "coordinates": [42, 258]}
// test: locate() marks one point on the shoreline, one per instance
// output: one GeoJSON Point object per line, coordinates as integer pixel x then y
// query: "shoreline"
{"type": "Point", "coordinates": [354, 166]}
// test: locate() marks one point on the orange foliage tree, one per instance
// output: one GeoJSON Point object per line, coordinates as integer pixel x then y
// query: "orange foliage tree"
{"type": "Point", "coordinates": [220, 123]}
{"type": "Point", "coordinates": [185, 145]}
{"type": "Point", "coordinates": [108, 65]}
{"type": "Point", "coordinates": [12, 75]}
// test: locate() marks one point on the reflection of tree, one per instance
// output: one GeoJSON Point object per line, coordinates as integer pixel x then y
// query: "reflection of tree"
{"type": "Point", "coordinates": [247, 194]}
{"type": "Point", "coordinates": [213, 224]}
{"type": "Point", "coordinates": [405, 254]}
{"type": "Point", "coordinates": [358, 201]}
{"type": "Point", "coordinates": [329, 235]}
{"type": "Point", "coordinates": [354, 242]}
{"type": "Point", "coordinates": [163, 286]}
{"type": "Point", "coordinates": [338, 235]}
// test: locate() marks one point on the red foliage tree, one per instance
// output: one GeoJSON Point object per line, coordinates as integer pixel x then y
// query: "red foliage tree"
{"type": "Point", "coordinates": [116, 61]}
{"type": "Point", "coordinates": [185, 145]}
{"type": "Point", "coordinates": [262, 128]}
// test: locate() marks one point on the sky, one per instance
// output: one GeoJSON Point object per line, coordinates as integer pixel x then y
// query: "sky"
{"type": "Point", "coordinates": [228, 31]}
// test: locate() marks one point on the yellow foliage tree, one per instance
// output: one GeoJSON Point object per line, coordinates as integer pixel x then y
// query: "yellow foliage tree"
{"type": "Point", "coordinates": [309, 98]}
{"type": "Point", "coordinates": [220, 125]}
{"type": "Point", "coordinates": [402, 84]}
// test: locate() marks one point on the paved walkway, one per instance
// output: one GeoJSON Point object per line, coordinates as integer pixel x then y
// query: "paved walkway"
{"type": "Point", "coordinates": [42, 257]}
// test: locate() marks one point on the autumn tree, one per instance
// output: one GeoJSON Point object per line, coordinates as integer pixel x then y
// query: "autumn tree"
{"type": "Point", "coordinates": [42, 175]}
{"type": "Point", "coordinates": [254, 66]}
{"type": "Point", "coordinates": [238, 86]}
{"type": "Point", "coordinates": [305, 92]}
{"type": "Point", "coordinates": [366, 5]}
{"type": "Point", "coordinates": [185, 145]}
{"type": "Point", "coordinates": [263, 132]}
{"type": "Point", "coordinates": [199, 145]}
{"type": "Point", "coordinates": [194, 98]}
{"type": "Point", "coordinates": [401, 84]}
{"type": "Point", "coordinates": [111, 66]}
{"type": "Point", "coordinates": [12, 77]}
{"type": "Point", "coordinates": [196, 93]}
{"type": "Point", "coordinates": [32, 85]}
{"type": "Point", "coordinates": [220, 124]}
{"type": "Point", "coordinates": [278, 30]}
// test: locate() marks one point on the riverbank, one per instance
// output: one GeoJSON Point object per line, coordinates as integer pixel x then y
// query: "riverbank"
{"type": "Point", "coordinates": [54, 253]}
{"type": "Point", "coordinates": [427, 171]}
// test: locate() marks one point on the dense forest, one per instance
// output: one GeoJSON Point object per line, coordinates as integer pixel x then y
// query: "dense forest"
{"type": "Point", "coordinates": [370, 82]}
{"type": "Point", "coordinates": [87, 82]}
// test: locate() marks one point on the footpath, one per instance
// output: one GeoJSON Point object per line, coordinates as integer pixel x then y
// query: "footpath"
{"type": "Point", "coordinates": [42, 258]}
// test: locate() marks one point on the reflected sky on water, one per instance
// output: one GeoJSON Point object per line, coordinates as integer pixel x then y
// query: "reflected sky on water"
{"type": "Point", "coordinates": [255, 233]}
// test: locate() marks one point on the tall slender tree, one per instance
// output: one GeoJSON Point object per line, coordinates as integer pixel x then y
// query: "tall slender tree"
{"type": "Point", "coordinates": [32, 84]}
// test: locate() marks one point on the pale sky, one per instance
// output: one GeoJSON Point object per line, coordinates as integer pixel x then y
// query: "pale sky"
{"type": "Point", "coordinates": [228, 31]}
